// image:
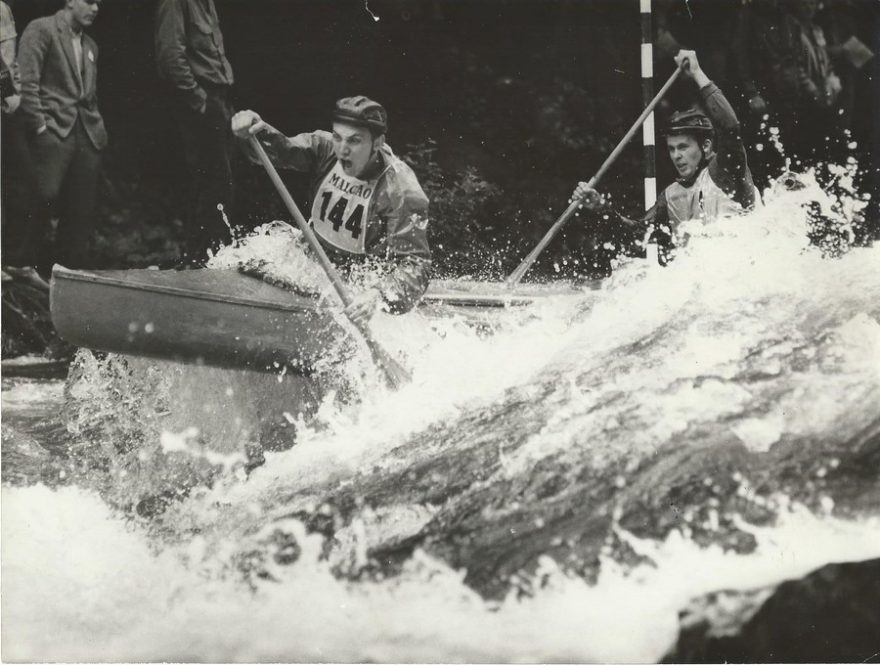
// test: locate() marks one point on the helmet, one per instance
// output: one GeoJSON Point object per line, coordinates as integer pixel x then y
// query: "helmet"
{"type": "Point", "coordinates": [363, 112]}
{"type": "Point", "coordinates": [690, 121]}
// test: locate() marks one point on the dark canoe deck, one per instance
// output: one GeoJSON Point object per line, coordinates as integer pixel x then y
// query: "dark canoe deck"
{"type": "Point", "coordinates": [225, 318]}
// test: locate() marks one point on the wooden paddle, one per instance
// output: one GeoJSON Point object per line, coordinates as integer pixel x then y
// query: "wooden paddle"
{"type": "Point", "coordinates": [395, 374]}
{"type": "Point", "coordinates": [527, 262]}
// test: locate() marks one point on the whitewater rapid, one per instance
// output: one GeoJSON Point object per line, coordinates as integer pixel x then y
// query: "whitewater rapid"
{"type": "Point", "coordinates": [750, 344]}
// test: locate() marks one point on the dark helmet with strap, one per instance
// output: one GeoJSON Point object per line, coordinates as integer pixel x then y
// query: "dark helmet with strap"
{"type": "Point", "coordinates": [362, 112]}
{"type": "Point", "coordinates": [690, 121]}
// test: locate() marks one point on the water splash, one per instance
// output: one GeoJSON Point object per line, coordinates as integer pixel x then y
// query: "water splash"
{"type": "Point", "coordinates": [73, 569]}
{"type": "Point", "coordinates": [558, 490]}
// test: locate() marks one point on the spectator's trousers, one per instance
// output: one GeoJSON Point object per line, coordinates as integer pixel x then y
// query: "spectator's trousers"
{"type": "Point", "coordinates": [208, 145]}
{"type": "Point", "coordinates": [21, 237]}
{"type": "Point", "coordinates": [67, 172]}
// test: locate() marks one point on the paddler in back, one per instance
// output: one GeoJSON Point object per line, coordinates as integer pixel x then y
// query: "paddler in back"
{"type": "Point", "coordinates": [707, 151]}
{"type": "Point", "coordinates": [367, 206]}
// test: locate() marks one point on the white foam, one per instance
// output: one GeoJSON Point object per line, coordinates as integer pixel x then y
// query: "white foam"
{"type": "Point", "coordinates": [655, 352]}
{"type": "Point", "coordinates": [81, 584]}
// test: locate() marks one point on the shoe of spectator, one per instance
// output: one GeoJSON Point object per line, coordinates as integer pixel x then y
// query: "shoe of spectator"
{"type": "Point", "coordinates": [26, 274]}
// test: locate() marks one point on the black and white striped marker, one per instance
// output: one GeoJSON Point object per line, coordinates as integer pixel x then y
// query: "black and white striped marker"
{"type": "Point", "coordinates": [647, 95]}
{"type": "Point", "coordinates": [648, 128]}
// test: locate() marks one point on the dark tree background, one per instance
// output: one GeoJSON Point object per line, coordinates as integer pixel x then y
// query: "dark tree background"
{"type": "Point", "coordinates": [501, 105]}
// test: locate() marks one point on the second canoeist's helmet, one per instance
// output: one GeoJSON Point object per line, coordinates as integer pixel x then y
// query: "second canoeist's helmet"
{"type": "Point", "coordinates": [690, 121]}
{"type": "Point", "coordinates": [362, 112]}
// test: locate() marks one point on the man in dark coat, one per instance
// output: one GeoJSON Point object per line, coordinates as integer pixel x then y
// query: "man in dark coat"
{"type": "Point", "coordinates": [191, 57]}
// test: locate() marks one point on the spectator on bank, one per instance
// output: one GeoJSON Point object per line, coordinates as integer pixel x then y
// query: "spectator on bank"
{"type": "Point", "coordinates": [190, 56]}
{"type": "Point", "coordinates": [14, 154]}
{"type": "Point", "coordinates": [840, 22]}
{"type": "Point", "coordinates": [805, 85]}
{"type": "Point", "coordinates": [59, 112]}
{"type": "Point", "coordinates": [699, 25]}
{"type": "Point", "coordinates": [8, 47]}
{"type": "Point", "coordinates": [755, 49]}
{"type": "Point", "coordinates": [786, 71]}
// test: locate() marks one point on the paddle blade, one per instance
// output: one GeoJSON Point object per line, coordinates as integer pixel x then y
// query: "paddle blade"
{"type": "Point", "coordinates": [395, 374]}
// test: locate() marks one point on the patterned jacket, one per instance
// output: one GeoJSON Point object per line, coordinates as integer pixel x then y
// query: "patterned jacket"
{"type": "Point", "coordinates": [390, 230]}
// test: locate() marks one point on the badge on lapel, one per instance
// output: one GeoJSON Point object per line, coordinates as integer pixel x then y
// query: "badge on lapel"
{"type": "Point", "coordinates": [91, 56]}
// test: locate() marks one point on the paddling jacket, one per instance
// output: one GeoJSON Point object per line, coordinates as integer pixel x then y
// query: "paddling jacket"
{"type": "Point", "coordinates": [721, 188]}
{"type": "Point", "coordinates": [395, 228]}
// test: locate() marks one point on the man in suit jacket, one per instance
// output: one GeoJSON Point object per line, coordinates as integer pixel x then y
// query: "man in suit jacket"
{"type": "Point", "coordinates": [59, 105]}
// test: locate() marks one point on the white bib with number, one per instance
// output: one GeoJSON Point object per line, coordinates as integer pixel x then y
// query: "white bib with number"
{"type": "Point", "coordinates": [340, 209]}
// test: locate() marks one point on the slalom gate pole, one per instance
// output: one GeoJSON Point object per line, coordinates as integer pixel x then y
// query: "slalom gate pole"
{"type": "Point", "coordinates": [648, 139]}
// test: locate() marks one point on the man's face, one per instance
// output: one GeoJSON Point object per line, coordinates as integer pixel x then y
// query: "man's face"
{"type": "Point", "coordinates": [354, 148]}
{"type": "Point", "coordinates": [685, 153]}
{"type": "Point", "coordinates": [83, 12]}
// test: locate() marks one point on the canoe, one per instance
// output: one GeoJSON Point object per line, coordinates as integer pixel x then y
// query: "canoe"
{"type": "Point", "coordinates": [224, 318]}
{"type": "Point", "coordinates": [34, 367]}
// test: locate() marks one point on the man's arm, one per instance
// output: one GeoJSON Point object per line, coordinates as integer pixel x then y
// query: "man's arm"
{"type": "Point", "coordinates": [408, 249]}
{"type": "Point", "coordinates": [654, 221]}
{"type": "Point", "coordinates": [591, 199]}
{"type": "Point", "coordinates": [171, 53]}
{"type": "Point", "coordinates": [729, 169]}
{"type": "Point", "coordinates": [653, 225]}
{"type": "Point", "coordinates": [299, 153]}
{"type": "Point", "coordinates": [31, 55]}
{"type": "Point", "coordinates": [730, 163]}
{"type": "Point", "coordinates": [7, 89]}
{"type": "Point", "coordinates": [8, 38]}
{"type": "Point", "coordinates": [792, 78]}
{"type": "Point", "coordinates": [302, 152]}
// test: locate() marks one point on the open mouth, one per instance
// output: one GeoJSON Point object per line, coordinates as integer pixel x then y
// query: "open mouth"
{"type": "Point", "coordinates": [346, 164]}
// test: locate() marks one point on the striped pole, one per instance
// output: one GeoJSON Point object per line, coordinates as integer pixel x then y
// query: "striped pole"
{"type": "Point", "coordinates": [648, 143]}
{"type": "Point", "coordinates": [647, 96]}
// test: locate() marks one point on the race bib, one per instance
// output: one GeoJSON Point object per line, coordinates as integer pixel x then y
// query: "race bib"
{"type": "Point", "coordinates": [340, 208]}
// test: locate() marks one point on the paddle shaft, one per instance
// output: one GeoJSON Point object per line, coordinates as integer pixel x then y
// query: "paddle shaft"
{"type": "Point", "coordinates": [394, 373]}
{"type": "Point", "coordinates": [301, 222]}
{"type": "Point", "coordinates": [527, 262]}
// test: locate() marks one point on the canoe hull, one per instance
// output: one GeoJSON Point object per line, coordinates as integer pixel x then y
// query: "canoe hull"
{"type": "Point", "coordinates": [227, 319]}
{"type": "Point", "coordinates": [218, 318]}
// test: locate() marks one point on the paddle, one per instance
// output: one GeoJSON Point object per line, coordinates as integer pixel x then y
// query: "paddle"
{"type": "Point", "coordinates": [527, 262]}
{"type": "Point", "coordinates": [395, 374]}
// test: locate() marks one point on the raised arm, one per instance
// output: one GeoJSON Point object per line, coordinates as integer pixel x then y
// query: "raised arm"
{"type": "Point", "coordinates": [301, 153]}
{"type": "Point", "coordinates": [655, 219]}
{"type": "Point", "coordinates": [729, 169]}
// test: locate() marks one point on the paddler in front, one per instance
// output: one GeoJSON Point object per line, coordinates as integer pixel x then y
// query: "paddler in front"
{"type": "Point", "coordinates": [707, 150]}
{"type": "Point", "coordinates": [367, 206]}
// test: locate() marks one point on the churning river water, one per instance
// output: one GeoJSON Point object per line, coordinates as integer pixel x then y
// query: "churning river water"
{"type": "Point", "coordinates": [555, 484]}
